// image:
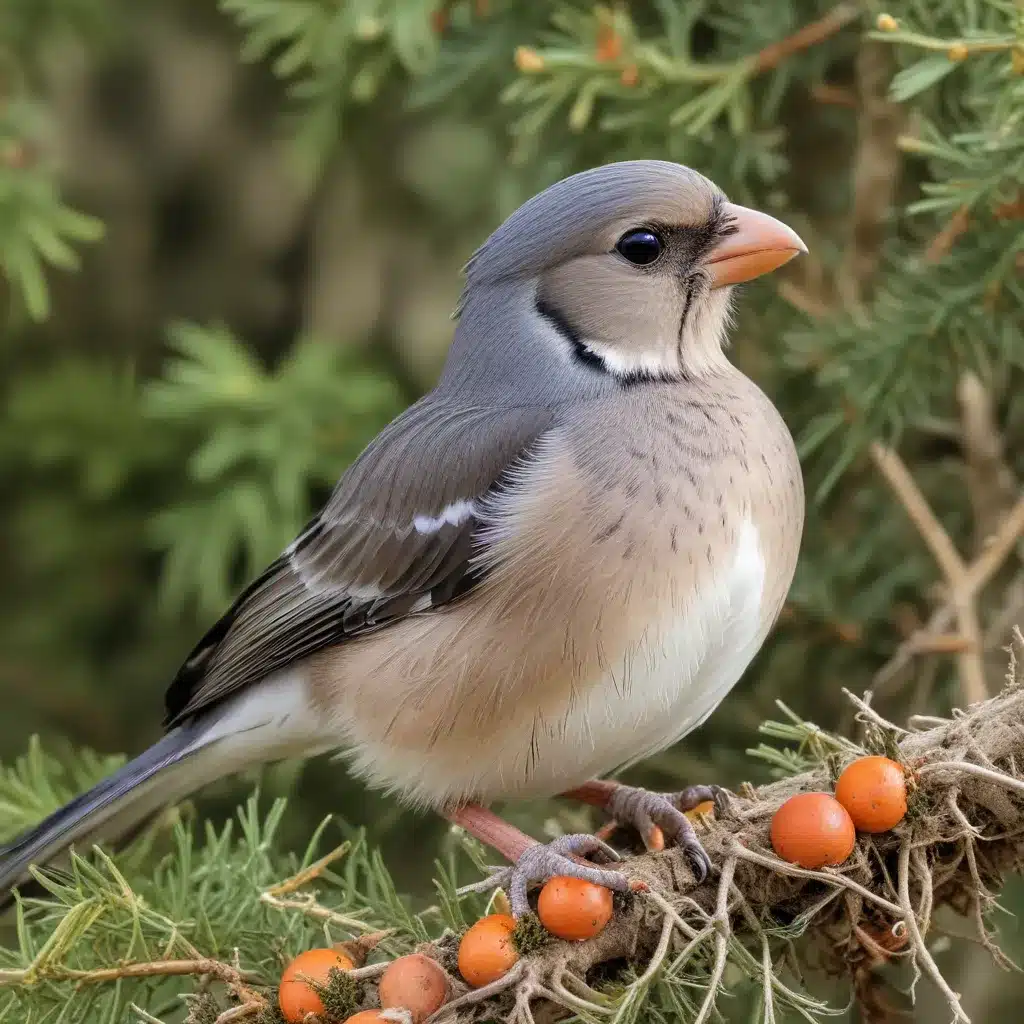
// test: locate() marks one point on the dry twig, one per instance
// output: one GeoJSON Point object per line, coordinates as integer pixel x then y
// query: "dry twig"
{"type": "Point", "coordinates": [977, 575]}
{"type": "Point", "coordinates": [309, 874]}
{"type": "Point", "coordinates": [991, 485]}
{"type": "Point", "coordinates": [810, 35]}
{"type": "Point", "coordinates": [969, 660]}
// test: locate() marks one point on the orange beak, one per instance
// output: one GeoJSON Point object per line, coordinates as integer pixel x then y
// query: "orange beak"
{"type": "Point", "coordinates": [760, 245]}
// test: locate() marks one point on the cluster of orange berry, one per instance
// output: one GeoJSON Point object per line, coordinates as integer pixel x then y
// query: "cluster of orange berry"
{"type": "Point", "coordinates": [809, 829]}
{"type": "Point", "coordinates": [567, 907]}
{"type": "Point", "coordinates": [414, 983]}
{"type": "Point", "coordinates": [816, 829]}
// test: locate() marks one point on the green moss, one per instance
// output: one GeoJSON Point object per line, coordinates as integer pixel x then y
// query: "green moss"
{"type": "Point", "coordinates": [271, 1014]}
{"type": "Point", "coordinates": [622, 902]}
{"type": "Point", "coordinates": [883, 743]}
{"type": "Point", "coordinates": [202, 1009]}
{"type": "Point", "coordinates": [834, 767]}
{"type": "Point", "coordinates": [922, 807]}
{"type": "Point", "coordinates": [530, 935]}
{"type": "Point", "coordinates": [341, 995]}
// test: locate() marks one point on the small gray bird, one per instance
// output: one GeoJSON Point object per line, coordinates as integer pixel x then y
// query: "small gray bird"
{"type": "Point", "coordinates": [556, 563]}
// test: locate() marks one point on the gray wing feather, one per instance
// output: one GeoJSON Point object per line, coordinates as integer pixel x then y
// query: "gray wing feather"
{"type": "Point", "coordinates": [381, 549]}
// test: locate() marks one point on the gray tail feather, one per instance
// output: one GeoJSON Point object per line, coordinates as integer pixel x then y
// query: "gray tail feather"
{"type": "Point", "coordinates": [168, 771]}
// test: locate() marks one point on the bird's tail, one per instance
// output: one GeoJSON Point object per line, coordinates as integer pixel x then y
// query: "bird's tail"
{"type": "Point", "coordinates": [168, 771]}
{"type": "Point", "coordinates": [258, 728]}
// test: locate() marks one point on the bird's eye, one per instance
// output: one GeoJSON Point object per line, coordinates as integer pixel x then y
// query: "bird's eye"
{"type": "Point", "coordinates": [641, 247]}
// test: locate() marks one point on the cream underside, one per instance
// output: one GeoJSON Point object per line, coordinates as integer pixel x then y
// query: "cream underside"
{"type": "Point", "coordinates": [674, 674]}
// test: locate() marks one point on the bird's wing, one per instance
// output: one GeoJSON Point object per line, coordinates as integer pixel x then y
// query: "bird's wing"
{"type": "Point", "coordinates": [397, 537]}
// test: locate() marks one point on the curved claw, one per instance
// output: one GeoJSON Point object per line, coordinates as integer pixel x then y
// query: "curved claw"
{"type": "Point", "coordinates": [693, 796]}
{"type": "Point", "coordinates": [697, 856]}
{"type": "Point", "coordinates": [559, 857]}
{"type": "Point", "coordinates": [640, 807]}
{"type": "Point", "coordinates": [583, 844]}
{"type": "Point", "coordinates": [540, 862]}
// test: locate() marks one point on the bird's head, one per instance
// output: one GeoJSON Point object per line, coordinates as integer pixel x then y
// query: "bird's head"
{"type": "Point", "coordinates": [627, 269]}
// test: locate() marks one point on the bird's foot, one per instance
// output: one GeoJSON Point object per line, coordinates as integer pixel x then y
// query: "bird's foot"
{"type": "Point", "coordinates": [533, 861]}
{"type": "Point", "coordinates": [643, 810]}
{"type": "Point", "coordinates": [562, 856]}
{"type": "Point", "coordinates": [656, 816]}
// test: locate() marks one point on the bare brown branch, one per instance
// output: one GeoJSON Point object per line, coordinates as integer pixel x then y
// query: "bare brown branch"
{"type": "Point", "coordinates": [991, 486]}
{"type": "Point", "coordinates": [969, 661]}
{"type": "Point", "coordinates": [810, 35]}
{"type": "Point", "coordinates": [920, 512]}
{"type": "Point", "coordinates": [946, 238]}
{"type": "Point", "coordinates": [978, 574]}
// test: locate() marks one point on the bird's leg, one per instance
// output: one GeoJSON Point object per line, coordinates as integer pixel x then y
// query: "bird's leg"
{"type": "Point", "coordinates": [642, 809]}
{"type": "Point", "coordinates": [533, 861]}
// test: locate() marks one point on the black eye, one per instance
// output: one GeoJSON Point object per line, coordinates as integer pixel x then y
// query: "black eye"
{"type": "Point", "coordinates": [640, 247]}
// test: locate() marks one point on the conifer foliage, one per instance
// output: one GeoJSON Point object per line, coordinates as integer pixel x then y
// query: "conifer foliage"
{"type": "Point", "coordinates": [147, 492]}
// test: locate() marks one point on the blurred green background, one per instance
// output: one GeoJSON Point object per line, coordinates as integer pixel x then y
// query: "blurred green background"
{"type": "Point", "coordinates": [287, 191]}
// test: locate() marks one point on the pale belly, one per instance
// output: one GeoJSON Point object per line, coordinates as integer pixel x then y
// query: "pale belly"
{"type": "Point", "coordinates": [665, 683]}
{"type": "Point", "coordinates": [673, 678]}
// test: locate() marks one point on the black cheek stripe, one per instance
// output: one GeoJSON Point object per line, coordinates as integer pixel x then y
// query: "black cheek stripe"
{"type": "Point", "coordinates": [580, 351]}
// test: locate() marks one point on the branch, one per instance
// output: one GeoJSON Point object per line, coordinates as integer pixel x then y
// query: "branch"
{"type": "Point", "coordinates": [970, 661]}
{"type": "Point", "coordinates": [979, 573]}
{"type": "Point", "coordinates": [996, 550]}
{"type": "Point", "coordinates": [314, 871]}
{"type": "Point", "coordinates": [946, 238]}
{"type": "Point", "coordinates": [722, 931]}
{"type": "Point", "coordinates": [921, 515]}
{"type": "Point", "coordinates": [650, 63]}
{"type": "Point", "coordinates": [930, 848]}
{"type": "Point", "coordinates": [991, 484]}
{"type": "Point", "coordinates": [231, 975]}
{"type": "Point", "coordinates": [810, 35]}
{"type": "Point", "coordinates": [920, 948]}
{"type": "Point", "coordinates": [963, 833]}
{"type": "Point", "coordinates": [999, 778]}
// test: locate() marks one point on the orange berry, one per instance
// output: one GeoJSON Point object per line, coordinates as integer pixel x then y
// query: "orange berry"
{"type": "Point", "coordinates": [812, 830]}
{"type": "Point", "coordinates": [365, 1017]}
{"type": "Point", "coordinates": [874, 792]}
{"type": "Point", "coordinates": [414, 983]}
{"type": "Point", "coordinates": [295, 995]}
{"type": "Point", "coordinates": [574, 909]}
{"type": "Point", "coordinates": [486, 951]}
{"type": "Point", "coordinates": [887, 23]}
{"type": "Point", "coordinates": [705, 807]}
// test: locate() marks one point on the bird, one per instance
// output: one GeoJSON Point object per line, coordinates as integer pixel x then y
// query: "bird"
{"type": "Point", "coordinates": [553, 565]}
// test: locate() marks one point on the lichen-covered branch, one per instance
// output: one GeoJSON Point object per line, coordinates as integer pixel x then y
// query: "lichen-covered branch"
{"type": "Point", "coordinates": [963, 834]}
